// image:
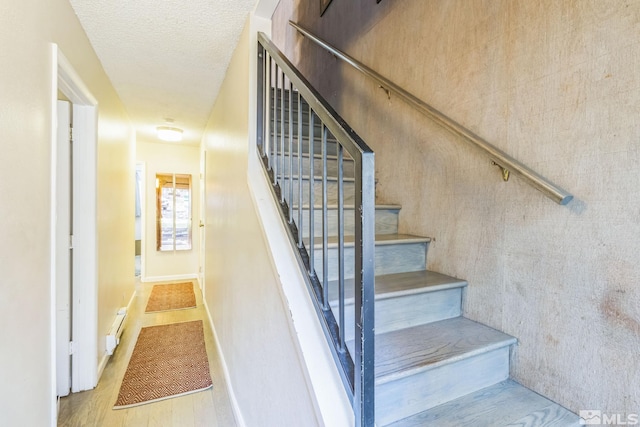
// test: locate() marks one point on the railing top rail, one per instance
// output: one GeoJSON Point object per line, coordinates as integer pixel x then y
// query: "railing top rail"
{"type": "Point", "coordinates": [501, 158]}
{"type": "Point", "coordinates": [348, 138]}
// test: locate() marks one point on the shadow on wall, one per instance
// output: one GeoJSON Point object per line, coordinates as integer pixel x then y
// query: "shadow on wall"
{"type": "Point", "coordinates": [343, 23]}
{"type": "Point", "coordinates": [384, 121]}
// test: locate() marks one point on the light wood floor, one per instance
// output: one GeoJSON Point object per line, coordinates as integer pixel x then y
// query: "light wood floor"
{"type": "Point", "coordinates": [95, 407]}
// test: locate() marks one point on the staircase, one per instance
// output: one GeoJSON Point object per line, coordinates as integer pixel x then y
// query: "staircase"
{"type": "Point", "coordinates": [433, 366]}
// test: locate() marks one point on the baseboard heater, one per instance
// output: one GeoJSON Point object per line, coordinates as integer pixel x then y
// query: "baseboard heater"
{"type": "Point", "coordinates": [113, 337]}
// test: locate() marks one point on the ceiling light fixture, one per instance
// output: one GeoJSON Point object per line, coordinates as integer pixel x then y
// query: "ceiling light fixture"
{"type": "Point", "coordinates": [169, 134]}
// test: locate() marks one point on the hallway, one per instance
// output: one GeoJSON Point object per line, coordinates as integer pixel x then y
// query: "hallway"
{"type": "Point", "coordinates": [95, 407]}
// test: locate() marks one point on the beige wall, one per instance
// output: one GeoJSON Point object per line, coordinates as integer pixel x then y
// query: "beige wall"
{"type": "Point", "coordinates": [169, 158]}
{"type": "Point", "coordinates": [26, 31]}
{"type": "Point", "coordinates": [556, 85]}
{"type": "Point", "coordinates": [242, 291]}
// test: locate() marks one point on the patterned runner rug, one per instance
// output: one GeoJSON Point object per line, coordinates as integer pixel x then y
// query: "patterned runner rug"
{"type": "Point", "coordinates": [174, 296]}
{"type": "Point", "coordinates": [167, 361]}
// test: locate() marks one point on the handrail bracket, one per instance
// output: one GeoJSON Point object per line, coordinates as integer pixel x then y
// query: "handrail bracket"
{"type": "Point", "coordinates": [505, 172]}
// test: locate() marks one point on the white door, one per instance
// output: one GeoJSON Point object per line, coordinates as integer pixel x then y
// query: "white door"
{"type": "Point", "coordinates": [62, 254]}
{"type": "Point", "coordinates": [203, 217]}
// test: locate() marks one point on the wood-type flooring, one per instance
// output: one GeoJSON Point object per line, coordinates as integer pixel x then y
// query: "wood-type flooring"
{"type": "Point", "coordinates": [95, 407]}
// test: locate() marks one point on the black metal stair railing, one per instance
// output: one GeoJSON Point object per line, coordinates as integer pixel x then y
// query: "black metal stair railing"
{"type": "Point", "coordinates": [301, 138]}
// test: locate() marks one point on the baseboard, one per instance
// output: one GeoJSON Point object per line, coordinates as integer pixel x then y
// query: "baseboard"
{"type": "Point", "coordinates": [232, 395]}
{"type": "Point", "coordinates": [103, 364]}
{"type": "Point", "coordinates": [105, 357]}
{"type": "Point", "coordinates": [147, 279]}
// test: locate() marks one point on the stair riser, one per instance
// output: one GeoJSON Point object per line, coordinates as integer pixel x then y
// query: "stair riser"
{"type": "Point", "coordinates": [317, 146]}
{"type": "Point", "coordinates": [317, 126]}
{"type": "Point", "coordinates": [305, 109]}
{"type": "Point", "coordinates": [386, 222]}
{"type": "Point", "coordinates": [404, 311]}
{"type": "Point", "coordinates": [332, 166]}
{"type": "Point", "coordinates": [294, 97]}
{"type": "Point", "coordinates": [413, 394]}
{"type": "Point", "coordinates": [294, 103]}
{"type": "Point", "coordinates": [332, 191]}
{"type": "Point", "coordinates": [389, 258]}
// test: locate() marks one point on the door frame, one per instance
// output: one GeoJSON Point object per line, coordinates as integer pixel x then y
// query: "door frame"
{"type": "Point", "coordinates": [142, 166]}
{"type": "Point", "coordinates": [84, 306]}
{"type": "Point", "coordinates": [202, 222]}
{"type": "Point", "coordinates": [62, 251]}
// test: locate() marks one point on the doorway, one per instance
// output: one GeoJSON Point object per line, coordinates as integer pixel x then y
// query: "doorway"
{"type": "Point", "coordinates": [139, 220]}
{"type": "Point", "coordinates": [63, 252]}
{"type": "Point", "coordinates": [74, 275]}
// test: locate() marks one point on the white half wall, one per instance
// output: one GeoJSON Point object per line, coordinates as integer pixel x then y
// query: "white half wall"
{"type": "Point", "coordinates": [258, 333]}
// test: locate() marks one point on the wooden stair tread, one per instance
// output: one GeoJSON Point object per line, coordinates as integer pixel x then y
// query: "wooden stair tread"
{"type": "Point", "coordinates": [393, 285]}
{"type": "Point", "coordinates": [400, 284]}
{"type": "Point", "coordinates": [404, 352]}
{"type": "Point", "coordinates": [504, 404]}
{"type": "Point", "coordinates": [381, 239]}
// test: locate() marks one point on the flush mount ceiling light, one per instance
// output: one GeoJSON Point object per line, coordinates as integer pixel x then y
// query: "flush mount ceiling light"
{"type": "Point", "coordinates": [169, 133]}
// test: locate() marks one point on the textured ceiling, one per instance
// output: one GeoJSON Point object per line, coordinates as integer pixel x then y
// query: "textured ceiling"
{"type": "Point", "coordinates": [165, 58]}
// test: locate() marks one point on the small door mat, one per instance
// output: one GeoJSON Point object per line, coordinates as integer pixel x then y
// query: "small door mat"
{"type": "Point", "coordinates": [174, 296]}
{"type": "Point", "coordinates": [167, 361]}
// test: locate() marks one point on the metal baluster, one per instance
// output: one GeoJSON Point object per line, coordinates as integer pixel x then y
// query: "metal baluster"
{"type": "Point", "coordinates": [263, 104]}
{"type": "Point", "coordinates": [312, 270]}
{"type": "Point", "coordinates": [275, 126]}
{"type": "Point", "coordinates": [260, 101]}
{"type": "Point", "coordinates": [341, 246]}
{"type": "Point", "coordinates": [290, 202]}
{"type": "Point", "coordinates": [364, 357]}
{"type": "Point", "coordinates": [300, 244]}
{"type": "Point", "coordinates": [269, 139]}
{"type": "Point", "coordinates": [267, 103]}
{"type": "Point", "coordinates": [325, 223]}
{"type": "Point", "coordinates": [282, 134]}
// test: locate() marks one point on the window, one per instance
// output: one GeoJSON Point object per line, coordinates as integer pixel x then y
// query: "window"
{"type": "Point", "coordinates": [173, 212]}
